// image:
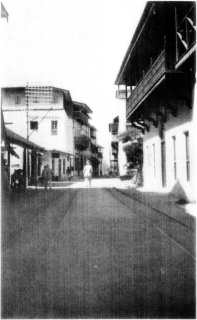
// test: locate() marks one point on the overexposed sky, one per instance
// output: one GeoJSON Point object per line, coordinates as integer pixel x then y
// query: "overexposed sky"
{"type": "Point", "coordinates": [77, 45]}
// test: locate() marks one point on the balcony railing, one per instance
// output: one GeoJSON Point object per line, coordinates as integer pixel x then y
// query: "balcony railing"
{"type": "Point", "coordinates": [81, 142]}
{"type": "Point", "coordinates": [93, 136]}
{"type": "Point", "coordinates": [82, 117]}
{"type": "Point", "coordinates": [156, 70]}
{"type": "Point", "coordinates": [186, 36]}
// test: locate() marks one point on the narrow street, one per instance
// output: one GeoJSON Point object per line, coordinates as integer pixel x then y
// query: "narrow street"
{"type": "Point", "coordinates": [98, 159]}
{"type": "Point", "coordinates": [94, 253]}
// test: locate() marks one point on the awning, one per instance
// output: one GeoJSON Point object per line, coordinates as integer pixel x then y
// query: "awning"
{"type": "Point", "coordinates": [15, 138]}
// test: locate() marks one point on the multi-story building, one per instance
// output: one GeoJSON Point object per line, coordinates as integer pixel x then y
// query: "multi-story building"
{"type": "Point", "coordinates": [114, 129]}
{"type": "Point", "coordinates": [158, 75]}
{"type": "Point", "coordinates": [43, 114]}
{"type": "Point", "coordinates": [100, 162]}
{"type": "Point", "coordinates": [85, 140]}
{"type": "Point", "coordinates": [47, 116]}
{"type": "Point", "coordinates": [96, 154]}
{"type": "Point", "coordinates": [81, 135]}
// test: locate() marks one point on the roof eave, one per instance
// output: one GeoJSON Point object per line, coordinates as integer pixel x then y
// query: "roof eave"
{"type": "Point", "coordinates": [82, 105]}
{"type": "Point", "coordinates": [147, 11]}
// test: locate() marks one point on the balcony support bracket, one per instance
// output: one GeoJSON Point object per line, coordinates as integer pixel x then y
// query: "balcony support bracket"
{"type": "Point", "coordinates": [161, 116]}
{"type": "Point", "coordinates": [136, 125]}
{"type": "Point", "coordinates": [153, 121]}
{"type": "Point", "coordinates": [173, 110]}
{"type": "Point", "coordinates": [145, 125]}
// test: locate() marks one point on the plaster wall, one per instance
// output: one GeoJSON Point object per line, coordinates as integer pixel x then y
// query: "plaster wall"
{"type": "Point", "coordinates": [174, 128]}
{"type": "Point", "coordinates": [16, 115]}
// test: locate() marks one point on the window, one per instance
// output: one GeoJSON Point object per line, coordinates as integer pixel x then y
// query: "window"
{"type": "Point", "coordinates": [174, 157]}
{"type": "Point", "coordinates": [55, 155]}
{"type": "Point", "coordinates": [187, 155]}
{"type": "Point", "coordinates": [17, 100]}
{"type": "Point", "coordinates": [34, 125]}
{"type": "Point", "coordinates": [64, 166]}
{"type": "Point", "coordinates": [54, 127]}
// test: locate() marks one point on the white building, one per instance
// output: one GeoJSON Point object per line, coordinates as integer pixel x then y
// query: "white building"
{"type": "Point", "coordinates": [85, 140]}
{"type": "Point", "coordinates": [158, 72]}
{"type": "Point", "coordinates": [43, 114]}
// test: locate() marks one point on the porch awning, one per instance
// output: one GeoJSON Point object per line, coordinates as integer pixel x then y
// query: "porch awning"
{"type": "Point", "coordinates": [15, 138]}
{"type": "Point", "coordinates": [11, 150]}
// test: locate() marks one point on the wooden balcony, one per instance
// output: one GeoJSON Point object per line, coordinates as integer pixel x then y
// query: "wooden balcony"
{"type": "Point", "coordinates": [186, 36]}
{"type": "Point", "coordinates": [80, 116]}
{"type": "Point", "coordinates": [153, 75]}
{"type": "Point", "coordinates": [81, 142]}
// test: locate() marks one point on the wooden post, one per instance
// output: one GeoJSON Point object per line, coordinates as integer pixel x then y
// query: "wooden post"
{"type": "Point", "coordinates": [9, 178]}
{"type": "Point", "coordinates": [176, 35]}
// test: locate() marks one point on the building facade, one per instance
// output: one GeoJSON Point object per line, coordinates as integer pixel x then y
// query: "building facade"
{"type": "Point", "coordinates": [158, 75]}
{"type": "Point", "coordinates": [44, 116]}
{"type": "Point", "coordinates": [13, 145]}
{"type": "Point", "coordinates": [114, 148]}
{"type": "Point", "coordinates": [48, 117]}
{"type": "Point", "coordinates": [81, 135]}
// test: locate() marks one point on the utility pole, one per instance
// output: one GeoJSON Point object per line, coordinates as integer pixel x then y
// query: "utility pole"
{"type": "Point", "coordinates": [26, 150]}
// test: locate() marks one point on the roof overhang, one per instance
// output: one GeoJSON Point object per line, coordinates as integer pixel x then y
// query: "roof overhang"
{"type": "Point", "coordinates": [83, 106]}
{"type": "Point", "coordinates": [141, 25]}
{"type": "Point", "coordinates": [15, 138]}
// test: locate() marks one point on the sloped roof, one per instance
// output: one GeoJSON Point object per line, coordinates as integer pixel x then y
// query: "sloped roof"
{"type": "Point", "coordinates": [15, 138]}
{"type": "Point", "coordinates": [144, 17]}
{"type": "Point", "coordinates": [83, 106]}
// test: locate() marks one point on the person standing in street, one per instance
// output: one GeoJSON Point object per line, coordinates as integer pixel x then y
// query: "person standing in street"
{"type": "Point", "coordinates": [68, 173]}
{"type": "Point", "coordinates": [47, 176]}
{"type": "Point", "coordinates": [87, 173]}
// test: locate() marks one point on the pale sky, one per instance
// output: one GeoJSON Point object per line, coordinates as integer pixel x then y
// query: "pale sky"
{"type": "Point", "coordinates": [76, 45]}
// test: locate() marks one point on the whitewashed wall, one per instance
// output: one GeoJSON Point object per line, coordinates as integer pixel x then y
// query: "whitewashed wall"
{"type": "Point", "coordinates": [175, 126]}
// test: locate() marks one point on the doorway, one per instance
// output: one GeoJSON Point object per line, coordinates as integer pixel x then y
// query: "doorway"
{"type": "Point", "coordinates": [163, 163]}
{"type": "Point", "coordinates": [59, 169]}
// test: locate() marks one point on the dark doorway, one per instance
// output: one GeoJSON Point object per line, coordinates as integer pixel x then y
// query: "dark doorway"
{"type": "Point", "coordinates": [163, 163]}
{"type": "Point", "coordinates": [59, 168]}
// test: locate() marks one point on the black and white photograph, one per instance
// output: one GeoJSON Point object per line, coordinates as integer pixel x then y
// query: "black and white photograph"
{"type": "Point", "coordinates": [98, 159]}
